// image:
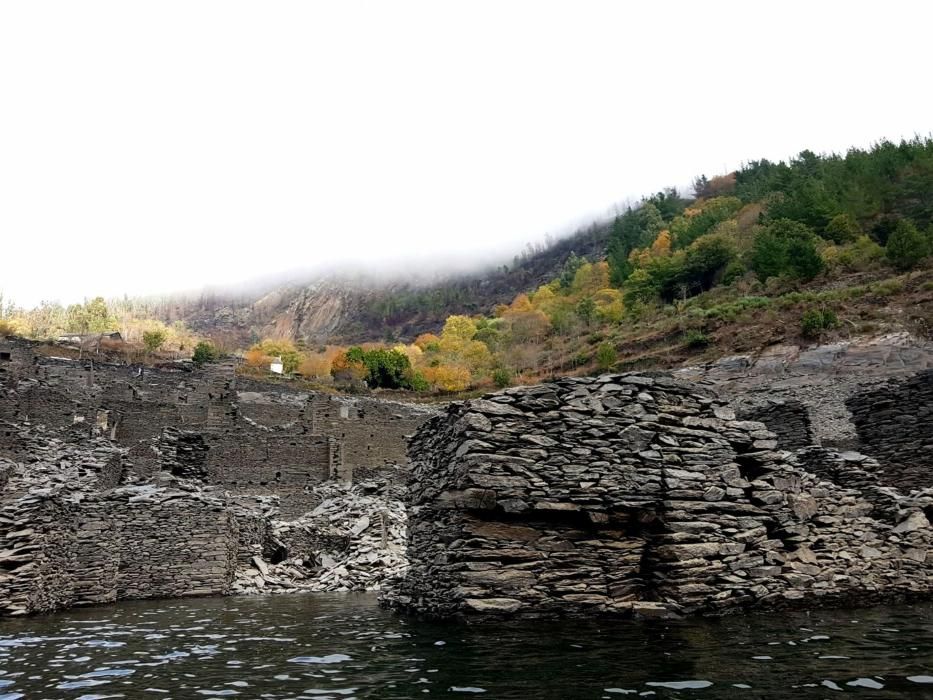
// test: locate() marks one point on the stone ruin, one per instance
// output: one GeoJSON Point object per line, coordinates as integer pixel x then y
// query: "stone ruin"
{"type": "Point", "coordinates": [76, 532]}
{"type": "Point", "coordinates": [121, 482]}
{"type": "Point", "coordinates": [643, 494]}
{"type": "Point", "coordinates": [632, 494]}
{"type": "Point", "coordinates": [828, 395]}
{"type": "Point", "coordinates": [252, 437]}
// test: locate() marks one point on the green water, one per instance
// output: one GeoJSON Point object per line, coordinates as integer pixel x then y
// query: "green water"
{"type": "Point", "coordinates": [320, 646]}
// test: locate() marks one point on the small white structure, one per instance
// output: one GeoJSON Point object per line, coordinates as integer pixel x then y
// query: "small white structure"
{"type": "Point", "coordinates": [276, 366]}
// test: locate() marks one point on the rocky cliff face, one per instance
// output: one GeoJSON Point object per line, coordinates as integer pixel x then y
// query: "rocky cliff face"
{"type": "Point", "coordinates": [634, 494]}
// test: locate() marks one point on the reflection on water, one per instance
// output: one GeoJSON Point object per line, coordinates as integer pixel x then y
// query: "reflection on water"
{"type": "Point", "coordinates": [320, 646]}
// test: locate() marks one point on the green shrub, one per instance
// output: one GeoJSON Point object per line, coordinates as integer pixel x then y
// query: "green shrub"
{"type": "Point", "coordinates": [501, 377]}
{"type": "Point", "coordinates": [786, 247]}
{"type": "Point", "coordinates": [154, 339]}
{"type": "Point", "coordinates": [815, 321]}
{"type": "Point", "coordinates": [204, 352]}
{"type": "Point", "coordinates": [731, 310]}
{"type": "Point", "coordinates": [842, 228]}
{"type": "Point", "coordinates": [696, 339]}
{"type": "Point", "coordinates": [887, 288]}
{"type": "Point", "coordinates": [860, 254]}
{"type": "Point", "coordinates": [906, 246]}
{"type": "Point", "coordinates": [734, 271]}
{"type": "Point", "coordinates": [417, 382]}
{"type": "Point", "coordinates": [606, 356]}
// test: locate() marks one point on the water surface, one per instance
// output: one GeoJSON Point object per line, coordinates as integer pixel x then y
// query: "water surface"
{"type": "Point", "coordinates": [320, 646]}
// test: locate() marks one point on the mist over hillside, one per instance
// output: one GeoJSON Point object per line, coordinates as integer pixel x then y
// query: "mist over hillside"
{"type": "Point", "coordinates": [370, 305]}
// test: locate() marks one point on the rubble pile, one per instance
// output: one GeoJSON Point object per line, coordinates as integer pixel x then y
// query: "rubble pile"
{"type": "Point", "coordinates": [354, 540]}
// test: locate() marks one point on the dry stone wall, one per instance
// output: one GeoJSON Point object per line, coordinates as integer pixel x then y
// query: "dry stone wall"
{"type": "Point", "coordinates": [71, 538]}
{"type": "Point", "coordinates": [638, 494]}
{"type": "Point", "coordinates": [786, 418]}
{"type": "Point", "coordinates": [895, 425]}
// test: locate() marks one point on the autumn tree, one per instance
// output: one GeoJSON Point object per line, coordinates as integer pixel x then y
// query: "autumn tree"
{"type": "Point", "coordinates": [262, 353]}
{"type": "Point", "coordinates": [427, 341]}
{"type": "Point", "coordinates": [662, 244]}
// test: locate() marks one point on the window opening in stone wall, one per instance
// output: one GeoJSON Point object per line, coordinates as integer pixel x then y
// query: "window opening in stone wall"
{"type": "Point", "coordinates": [6, 357]}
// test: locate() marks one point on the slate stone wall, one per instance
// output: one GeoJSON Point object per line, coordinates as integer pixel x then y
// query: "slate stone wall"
{"type": "Point", "coordinates": [636, 494]}
{"type": "Point", "coordinates": [786, 418]}
{"type": "Point", "coordinates": [258, 437]}
{"type": "Point", "coordinates": [70, 539]}
{"type": "Point", "coordinates": [895, 426]}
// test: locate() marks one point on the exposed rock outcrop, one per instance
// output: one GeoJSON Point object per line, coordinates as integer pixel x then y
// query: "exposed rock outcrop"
{"type": "Point", "coordinates": [636, 494]}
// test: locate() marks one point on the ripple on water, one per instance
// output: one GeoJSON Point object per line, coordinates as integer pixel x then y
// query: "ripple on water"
{"type": "Point", "coordinates": [330, 691]}
{"type": "Point", "coordinates": [105, 672]}
{"type": "Point", "coordinates": [329, 659]}
{"type": "Point", "coordinates": [216, 648]}
{"type": "Point", "coordinates": [86, 683]}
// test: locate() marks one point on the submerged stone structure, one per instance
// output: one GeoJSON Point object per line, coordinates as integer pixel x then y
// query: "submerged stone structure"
{"type": "Point", "coordinates": [643, 494]}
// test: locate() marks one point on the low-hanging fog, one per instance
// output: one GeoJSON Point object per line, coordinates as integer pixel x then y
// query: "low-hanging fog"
{"type": "Point", "coordinates": [148, 148]}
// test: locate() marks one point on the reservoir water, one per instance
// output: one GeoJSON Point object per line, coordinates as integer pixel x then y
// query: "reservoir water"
{"type": "Point", "coordinates": [320, 646]}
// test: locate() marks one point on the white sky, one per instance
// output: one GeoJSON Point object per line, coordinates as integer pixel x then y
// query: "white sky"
{"type": "Point", "coordinates": [150, 147]}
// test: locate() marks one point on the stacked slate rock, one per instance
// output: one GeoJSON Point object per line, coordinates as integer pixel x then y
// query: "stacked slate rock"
{"type": "Point", "coordinates": [895, 424]}
{"type": "Point", "coordinates": [788, 419]}
{"type": "Point", "coordinates": [69, 537]}
{"type": "Point", "coordinates": [637, 494]}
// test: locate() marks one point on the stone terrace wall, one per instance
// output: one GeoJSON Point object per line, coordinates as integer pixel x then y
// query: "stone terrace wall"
{"type": "Point", "coordinates": [639, 494]}
{"type": "Point", "coordinates": [895, 425]}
